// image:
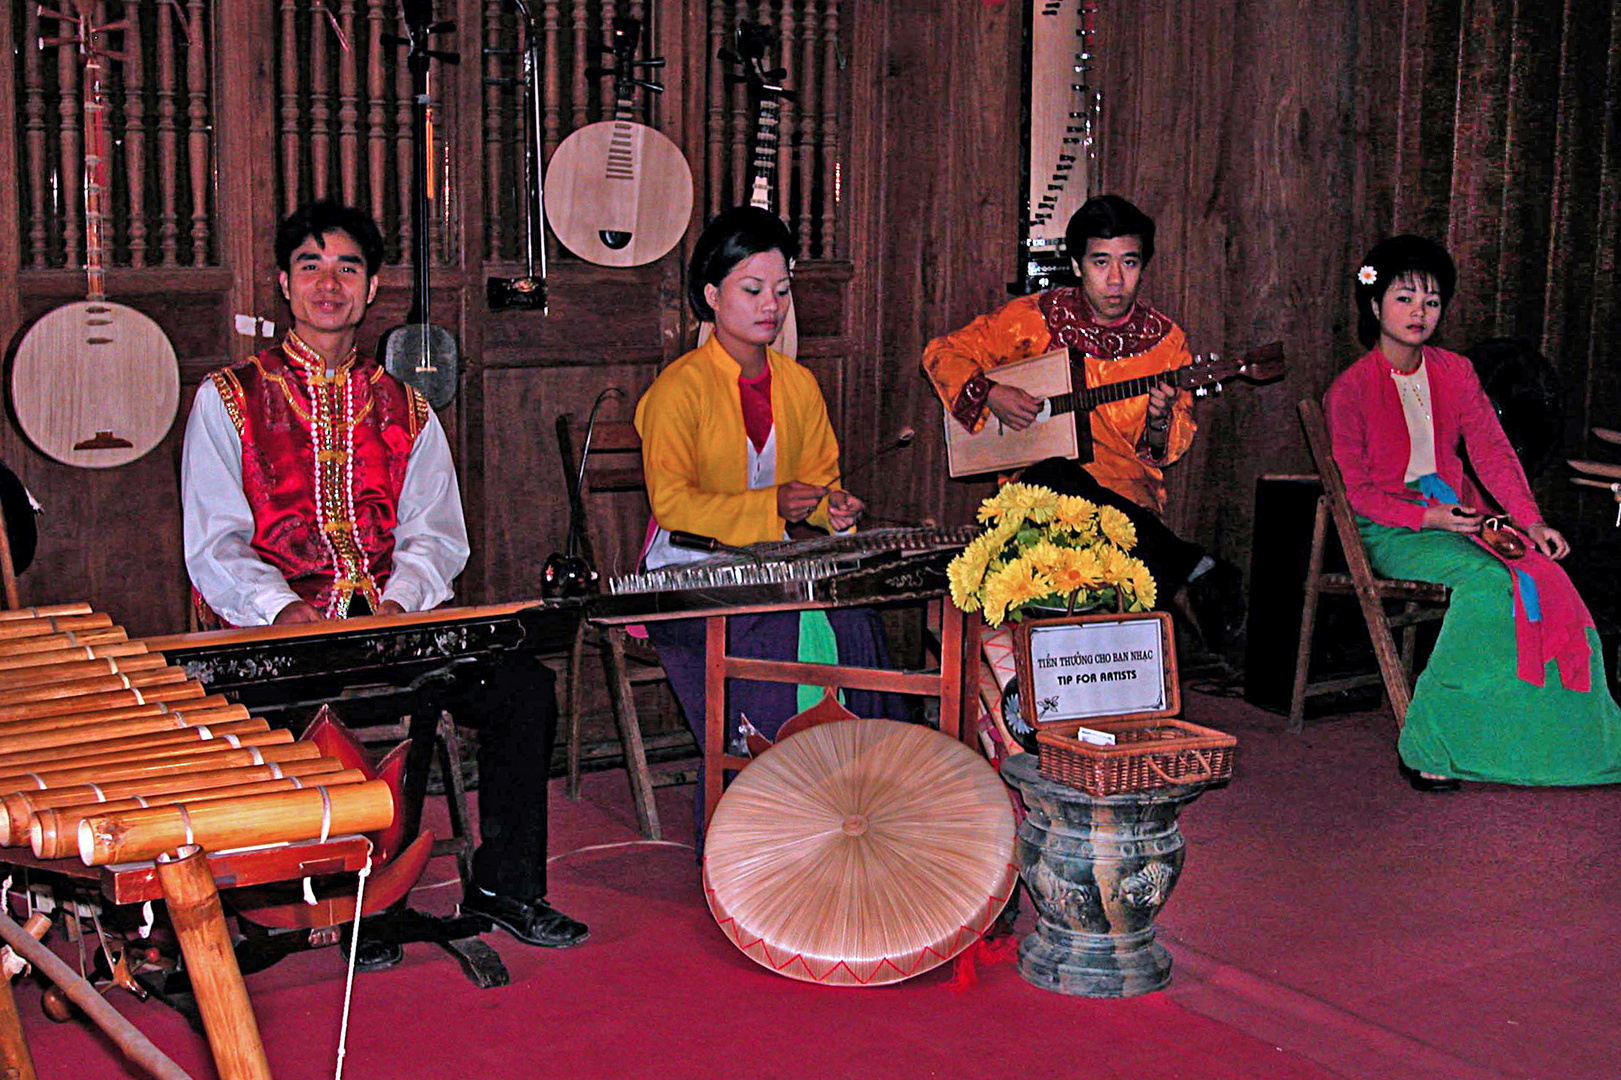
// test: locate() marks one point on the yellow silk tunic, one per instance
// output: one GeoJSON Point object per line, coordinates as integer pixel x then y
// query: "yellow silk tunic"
{"type": "Point", "coordinates": [695, 448]}
{"type": "Point", "coordinates": [1147, 343]}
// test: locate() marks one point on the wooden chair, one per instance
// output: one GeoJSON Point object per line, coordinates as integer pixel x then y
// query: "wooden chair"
{"type": "Point", "coordinates": [1421, 601]}
{"type": "Point", "coordinates": [613, 465]}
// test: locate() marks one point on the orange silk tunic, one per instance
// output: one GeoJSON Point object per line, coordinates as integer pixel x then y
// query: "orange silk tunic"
{"type": "Point", "coordinates": [1145, 344]}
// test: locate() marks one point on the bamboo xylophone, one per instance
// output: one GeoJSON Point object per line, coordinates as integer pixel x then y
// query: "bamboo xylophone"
{"type": "Point", "coordinates": [110, 753]}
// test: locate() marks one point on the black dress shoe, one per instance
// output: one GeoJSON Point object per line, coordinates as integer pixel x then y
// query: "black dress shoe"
{"type": "Point", "coordinates": [533, 922]}
{"type": "Point", "coordinates": [375, 955]}
{"type": "Point", "coordinates": [1421, 782]}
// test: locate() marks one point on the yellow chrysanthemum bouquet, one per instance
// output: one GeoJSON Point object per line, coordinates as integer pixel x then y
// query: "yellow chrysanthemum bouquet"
{"type": "Point", "coordinates": [1056, 551]}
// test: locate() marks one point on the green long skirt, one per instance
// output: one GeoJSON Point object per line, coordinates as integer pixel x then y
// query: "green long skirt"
{"type": "Point", "coordinates": [1472, 717]}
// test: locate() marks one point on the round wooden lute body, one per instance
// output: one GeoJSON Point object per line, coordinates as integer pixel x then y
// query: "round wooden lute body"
{"type": "Point", "coordinates": [95, 384]}
{"type": "Point", "coordinates": [618, 193]}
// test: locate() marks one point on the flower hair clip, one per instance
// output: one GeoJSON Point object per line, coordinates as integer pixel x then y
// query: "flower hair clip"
{"type": "Point", "coordinates": [1367, 275]}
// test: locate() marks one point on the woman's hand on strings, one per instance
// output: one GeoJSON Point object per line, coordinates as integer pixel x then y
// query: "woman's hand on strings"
{"type": "Point", "coordinates": [1548, 540]}
{"type": "Point", "coordinates": [1452, 518]}
{"type": "Point", "coordinates": [844, 510]}
{"type": "Point", "coordinates": [796, 499]}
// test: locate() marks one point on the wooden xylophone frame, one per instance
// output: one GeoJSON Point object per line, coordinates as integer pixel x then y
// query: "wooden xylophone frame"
{"type": "Point", "coordinates": [281, 672]}
{"type": "Point", "coordinates": [287, 667]}
{"type": "Point", "coordinates": [50, 687]}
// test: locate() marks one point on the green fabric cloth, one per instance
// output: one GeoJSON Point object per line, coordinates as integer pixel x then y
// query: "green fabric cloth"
{"type": "Point", "coordinates": [1471, 716]}
{"type": "Point", "coordinates": [817, 645]}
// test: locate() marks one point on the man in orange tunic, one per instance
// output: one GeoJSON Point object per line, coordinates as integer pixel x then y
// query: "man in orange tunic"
{"type": "Point", "coordinates": [1131, 441]}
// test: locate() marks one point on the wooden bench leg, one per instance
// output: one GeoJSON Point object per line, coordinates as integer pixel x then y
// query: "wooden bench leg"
{"type": "Point", "coordinates": [1409, 641]}
{"type": "Point", "coordinates": [1308, 616]}
{"type": "Point", "coordinates": [630, 735]}
{"type": "Point", "coordinates": [1384, 650]}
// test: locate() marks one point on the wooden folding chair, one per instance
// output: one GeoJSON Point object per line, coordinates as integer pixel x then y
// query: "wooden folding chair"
{"type": "Point", "coordinates": [613, 464]}
{"type": "Point", "coordinates": [1421, 601]}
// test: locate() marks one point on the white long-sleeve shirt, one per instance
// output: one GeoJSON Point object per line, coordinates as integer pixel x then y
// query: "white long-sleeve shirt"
{"type": "Point", "coordinates": [430, 540]}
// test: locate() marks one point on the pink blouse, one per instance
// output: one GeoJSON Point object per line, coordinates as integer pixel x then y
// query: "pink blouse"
{"type": "Point", "coordinates": [1371, 446]}
{"type": "Point", "coordinates": [1368, 430]}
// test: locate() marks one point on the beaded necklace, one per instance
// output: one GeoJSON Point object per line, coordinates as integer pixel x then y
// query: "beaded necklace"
{"type": "Point", "coordinates": [332, 427]}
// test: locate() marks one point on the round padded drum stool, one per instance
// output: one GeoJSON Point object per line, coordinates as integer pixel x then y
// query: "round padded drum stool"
{"type": "Point", "coordinates": [860, 852]}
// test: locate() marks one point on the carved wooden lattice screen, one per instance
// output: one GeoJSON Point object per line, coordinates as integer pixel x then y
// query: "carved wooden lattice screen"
{"type": "Point", "coordinates": [343, 117]}
{"type": "Point", "coordinates": [160, 117]}
{"type": "Point", "coordinates": [809, 161]}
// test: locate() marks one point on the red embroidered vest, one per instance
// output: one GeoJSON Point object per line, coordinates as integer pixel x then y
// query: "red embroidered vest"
{"type": "Point", "coordinates": [323, 461]}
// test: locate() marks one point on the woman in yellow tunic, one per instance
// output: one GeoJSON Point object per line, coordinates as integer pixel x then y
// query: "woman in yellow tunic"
{"type": "Point", "coordinates": [736, 445]}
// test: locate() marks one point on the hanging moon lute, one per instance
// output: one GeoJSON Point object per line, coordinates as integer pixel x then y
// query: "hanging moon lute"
{"type": "Point", "coordinates": [619, 193]}
{"type": "Point", "coordinates": [93, 383]}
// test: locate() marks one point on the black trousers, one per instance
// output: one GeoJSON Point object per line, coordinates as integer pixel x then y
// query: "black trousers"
{"type": "Point", "coordinates": [513, 705]}
{"type": "Point", "coordinates": [1168, 557]}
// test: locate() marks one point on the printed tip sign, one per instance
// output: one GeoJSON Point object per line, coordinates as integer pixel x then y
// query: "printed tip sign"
{"type": "Point", "coordinates": [1091, 666]}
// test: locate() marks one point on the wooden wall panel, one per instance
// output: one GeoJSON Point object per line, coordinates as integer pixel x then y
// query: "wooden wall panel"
{"type": "Point", "coordinates": [528, 519]}
{"type": "Point", "coordinates": [1251, 181]}
{"type": "Point", "coordinates": [945, 226]}
{"type": "Point", "coordinates": [1272, 142]}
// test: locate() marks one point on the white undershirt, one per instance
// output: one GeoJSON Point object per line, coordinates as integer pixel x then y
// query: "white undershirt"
{"type": "Point", "coordinates": [1416, 407]}
{"type": "Point", "coordinates": [430, 540]}
{"type": "Point", "coordinates": [762, 472]}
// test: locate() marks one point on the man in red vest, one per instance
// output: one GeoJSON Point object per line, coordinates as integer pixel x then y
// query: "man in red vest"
{"type": "Point", "coordinates": [317, 486]}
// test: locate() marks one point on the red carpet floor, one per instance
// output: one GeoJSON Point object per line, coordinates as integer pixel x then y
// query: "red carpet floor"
{"type": "Point", "coordinates": [1330, 923]}
{"type": "Point", "coordinates": [1328, 907]}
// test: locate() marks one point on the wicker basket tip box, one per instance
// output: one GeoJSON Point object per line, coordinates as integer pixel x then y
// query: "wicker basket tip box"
{"type": "Point", "coordinates": [1148, 754]}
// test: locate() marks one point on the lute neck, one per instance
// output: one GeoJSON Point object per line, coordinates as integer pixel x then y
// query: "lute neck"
{"type": "Point", "coordinates": [95, 180]}
{"type": "Point", "coordinates": [765, 156]}
{"type": "Point", "coordinates": [621, 164]}
{"type": "Point", "coordinates": [422, 247]}
{"type": "Point", "coordinates": [1088, 398]}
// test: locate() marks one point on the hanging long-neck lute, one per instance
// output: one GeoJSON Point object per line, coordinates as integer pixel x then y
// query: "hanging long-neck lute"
{"type": "Point", "coordinates": [998, 448]}
{"type": "Point", "coordinates": [529, 291]}
{"type": "Point", "coordinates": [418, 352]}
{"type": "Point", "coordinates": [94, 383]}
{"type": "Point", "coordinates": [765, 94]}
{"type": "Point", "coordinates": [619, 193]}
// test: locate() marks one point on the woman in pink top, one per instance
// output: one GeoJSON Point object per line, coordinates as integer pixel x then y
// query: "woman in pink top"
{"type": "Point", "coordinates": [1515, 690]}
